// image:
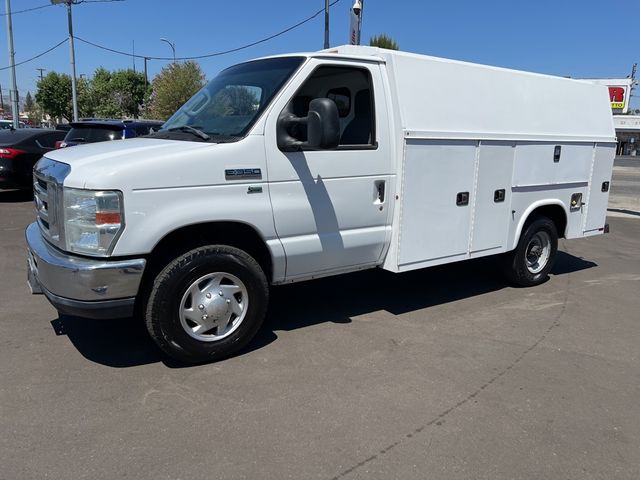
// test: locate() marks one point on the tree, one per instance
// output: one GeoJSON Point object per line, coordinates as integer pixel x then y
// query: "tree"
{"type": "Point", "coordinates": [54, 96]}
{"type": "Point", "coordinates": [172, 87]}
{"type": "Point", "coordinates": [29, 104]}
{"type": "Point", "coordinates": [117, 94]}
{"type": "Point", "coordinates": [32, 109]}
{"type": "Point", "coordinates": [384, 41]}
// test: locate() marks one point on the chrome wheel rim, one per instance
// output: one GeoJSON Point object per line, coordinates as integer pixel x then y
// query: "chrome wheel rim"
{"type": "Point", "coordinates": [538, 252]}
{"type": "Point", "coordinates": [213, 307]}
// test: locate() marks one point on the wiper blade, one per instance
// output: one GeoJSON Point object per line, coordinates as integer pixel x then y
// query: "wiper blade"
{"type": "Point", "coordinates": [190, 129]}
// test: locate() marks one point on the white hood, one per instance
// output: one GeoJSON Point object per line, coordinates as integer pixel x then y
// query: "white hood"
{"type": "Point", "coordinates": [102, 165]}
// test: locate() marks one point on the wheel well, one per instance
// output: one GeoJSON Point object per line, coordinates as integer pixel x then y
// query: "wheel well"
{"type": "Point", "coordinates": [233, 234]}
{"type": "Point", "coordinates": [555, 213]}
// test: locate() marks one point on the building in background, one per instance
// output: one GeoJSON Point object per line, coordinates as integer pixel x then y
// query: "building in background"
{"type": "Point", "coordinates": [627, 126]}
{"type": "Point", "coordinates": [628, 133]}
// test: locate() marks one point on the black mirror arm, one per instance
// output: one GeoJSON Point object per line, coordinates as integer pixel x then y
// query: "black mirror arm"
{"type": "Point", "coordinates": [286, 141]}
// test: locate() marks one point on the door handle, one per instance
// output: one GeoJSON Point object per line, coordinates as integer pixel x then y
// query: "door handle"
{"type": "Point", "coordinates": [462, 199]}
{"type": "Point", "coordinates": [380, 187]}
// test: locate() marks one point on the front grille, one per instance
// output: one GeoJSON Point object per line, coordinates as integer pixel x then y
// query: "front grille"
{"type": "Point", "coordinates": [48, 178]}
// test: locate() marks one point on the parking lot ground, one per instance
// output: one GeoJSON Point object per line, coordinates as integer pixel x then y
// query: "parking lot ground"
{"type": "Point", "coordinates": [444, 373]}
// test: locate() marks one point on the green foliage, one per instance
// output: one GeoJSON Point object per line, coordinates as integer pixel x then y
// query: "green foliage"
{"type": "Point", "coordinates": [32, 109]}
{"type": "Point", "coordinates": [54, 96]}
{"type": "Point", "coordinates": [172, 87]}
{"type": "Point", "coordinates": [384, 41]}
{"type": "Point", "coordinates": [29, 103]}
{"type": "Point", "coordinates": [85, 103]}
{"type": "Point", "coordinates": [116, 94]}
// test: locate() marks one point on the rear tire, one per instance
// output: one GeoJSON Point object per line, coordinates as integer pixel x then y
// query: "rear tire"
{"type": "Point", "coordinates": [207, 304]}
{"type": "Point", "coordinates": [533, 258]}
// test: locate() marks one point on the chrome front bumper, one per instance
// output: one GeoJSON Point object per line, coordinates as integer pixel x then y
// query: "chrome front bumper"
{"type": "Point", "coordinates": [93, 288]}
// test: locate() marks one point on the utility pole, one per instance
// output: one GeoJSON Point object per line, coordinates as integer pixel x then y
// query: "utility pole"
{"type": "Point", "coordinates": [1, 101]}
{"type": "Point", "coordinates": [355, 23]}
{"type": "Point", "coordinates": [41, 70]}
{"type": "Point", "coordinates": [326, 24]}
{"type": "Point", "coordinates": [146, 78]}
{"type": "Point", "coordinates": [13, 93]}
{"type": "Point", "coordinates": [72, 55]}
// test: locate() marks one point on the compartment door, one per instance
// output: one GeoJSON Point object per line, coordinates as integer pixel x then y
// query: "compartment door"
{"type": "Point", "coordinates": [493, 197]}
{"type": "Point", "coordinates": [598, 200]}
{"type": "Point", "coordinates": [436, 202]}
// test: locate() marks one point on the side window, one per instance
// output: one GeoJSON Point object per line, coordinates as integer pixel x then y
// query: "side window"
{"type": "Point", "coordinates": [351, 89]}
{"type": "Point", "coordinates": [48, 140]}
{"type": "Point", "coordinates": [342, 99]}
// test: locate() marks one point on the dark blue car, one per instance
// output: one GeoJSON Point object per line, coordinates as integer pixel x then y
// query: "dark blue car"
{"type": "Point", "coordinates": [90, 131]}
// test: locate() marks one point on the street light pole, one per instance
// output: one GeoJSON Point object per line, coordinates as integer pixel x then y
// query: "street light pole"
{"type": "Point", "coordinates": [13, 93]}
{"type": "Point", "coordinates": [326, 24]}
{"type": "Point", "coordinates": [173, 47]}
{"type": "Point", "coordinates": [72, 54]}
{"type": "Point", "coordinates": [360, 22]}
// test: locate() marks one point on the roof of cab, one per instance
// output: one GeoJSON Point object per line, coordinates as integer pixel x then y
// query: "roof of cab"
{"type": "Point", "coordinates": [360, 53]}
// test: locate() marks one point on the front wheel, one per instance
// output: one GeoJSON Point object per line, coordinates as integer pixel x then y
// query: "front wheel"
{"type": "Point", "coordinates": [207, 304]}
{"type": "Point", "coordinates": [530, 263]}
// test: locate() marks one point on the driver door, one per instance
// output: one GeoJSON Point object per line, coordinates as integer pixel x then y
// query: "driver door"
{"type": "Point", "coordinates": [331, 207]}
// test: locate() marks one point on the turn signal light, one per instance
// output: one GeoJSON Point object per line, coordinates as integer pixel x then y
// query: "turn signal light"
{"type": "Point", "coordinates": [104, 218]}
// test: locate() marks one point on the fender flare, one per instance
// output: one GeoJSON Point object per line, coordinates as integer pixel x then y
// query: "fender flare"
{"type": "Point", "coordinates": [530, 209]}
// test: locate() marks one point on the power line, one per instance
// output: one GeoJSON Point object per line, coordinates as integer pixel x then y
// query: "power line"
{"type": "Point", "coordinates": [28, 9]}
{"type": "Point", "coordinates": [38, 55]}
{"type": "Point", "coordinates": [75, 2]}
{"type": "Point", "coordinates": [243, 47]}
{"type": "Point", "coordinates": [209, 55]}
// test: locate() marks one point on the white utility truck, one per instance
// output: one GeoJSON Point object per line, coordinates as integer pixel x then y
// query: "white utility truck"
{"type": "Point", "coordinates": [294, 167]}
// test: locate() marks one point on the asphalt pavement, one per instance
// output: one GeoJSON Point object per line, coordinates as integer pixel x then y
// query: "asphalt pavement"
{"type": "Point", "coordinates": [444, 373]}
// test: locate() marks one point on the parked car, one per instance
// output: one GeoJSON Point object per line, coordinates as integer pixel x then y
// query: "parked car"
{"type": "Point", "coordinates": [8, 125]}
{"type": "Point", "coordinates": [20, 150]}
{"type": "Point", "coordinates": [91, 131]}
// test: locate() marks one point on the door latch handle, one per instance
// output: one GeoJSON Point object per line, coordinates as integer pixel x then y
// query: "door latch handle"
{"type": "Point", "coordinates": [380, 191]}
{"type": "Point", "coordinates": [462, 199]}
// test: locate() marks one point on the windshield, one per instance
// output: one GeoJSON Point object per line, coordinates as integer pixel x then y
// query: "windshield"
{"type": "Point", "coordinates": [91, 134]}
{"type": "Point", "coordinates": [230, 103]}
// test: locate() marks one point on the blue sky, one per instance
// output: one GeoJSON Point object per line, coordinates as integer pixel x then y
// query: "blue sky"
{"type": "Point", "coordinates": [579, 38]}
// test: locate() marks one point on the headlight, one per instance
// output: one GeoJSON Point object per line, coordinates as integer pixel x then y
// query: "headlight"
{"type": "Point", "coordinates": [93, 220]}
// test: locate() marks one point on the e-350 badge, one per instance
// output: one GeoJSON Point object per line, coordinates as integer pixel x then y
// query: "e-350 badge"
{"type": "Point", "coordinates": [242, 173]}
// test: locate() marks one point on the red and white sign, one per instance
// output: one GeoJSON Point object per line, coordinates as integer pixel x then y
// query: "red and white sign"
{"type": "Point", "coordinates": [619, 91]}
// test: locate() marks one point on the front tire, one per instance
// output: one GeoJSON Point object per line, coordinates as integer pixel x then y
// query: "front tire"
{"type": "Point", "coordinates": [532, 260]}
{"type": "Point", "coordinates": [207, 304]}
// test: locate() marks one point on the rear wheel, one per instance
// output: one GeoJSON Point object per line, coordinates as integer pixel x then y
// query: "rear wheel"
{"type": "Point", "coordinates": [207, 304]}
{"type": "Point", "coordinates": [532, 260]}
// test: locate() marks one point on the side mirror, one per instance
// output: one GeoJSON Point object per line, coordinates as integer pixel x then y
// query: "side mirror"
{"type": "Point", "coordinates": [322, 125]}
